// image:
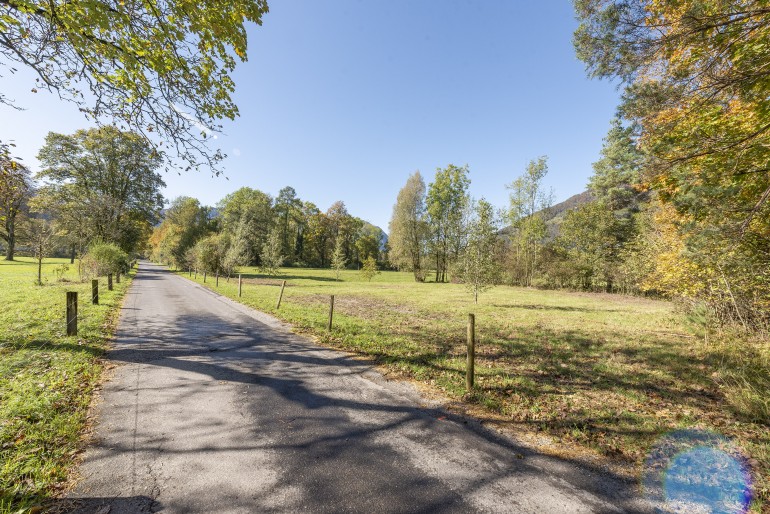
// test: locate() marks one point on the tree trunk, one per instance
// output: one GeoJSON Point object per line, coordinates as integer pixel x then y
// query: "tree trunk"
{"type": "Point", "coordinates": [11, 245]}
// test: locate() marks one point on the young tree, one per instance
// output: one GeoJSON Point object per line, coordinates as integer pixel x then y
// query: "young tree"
{"type": "Point", "coordinates": [446, 204]}
{"type": "Point", "coordinates": [160, 67]}
{"type": "Point", "coordinates": [15, 190]}
{"type": "Point", "coordinates": [408, 228]}
{"type": "Point", "coordinates": [40, 236]}
{"type": "Point", "coordinates": [339, 262]}
{"type": "Point", "coordinates": [272, 259]}
{"type": "Point", "coordinates": [479, 266]}
{"type": "Point", "coordinates": [526, 214]}
{"type": "Point", "coordinates": [369, 269]}
{"type": "Point", "coordinates": [103, 180]}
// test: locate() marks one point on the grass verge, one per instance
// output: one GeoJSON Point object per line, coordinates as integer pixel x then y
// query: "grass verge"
{"type": "Point", "coordinates": [605, 376]}
{"type": "Point", "coordinates": [47, 379]}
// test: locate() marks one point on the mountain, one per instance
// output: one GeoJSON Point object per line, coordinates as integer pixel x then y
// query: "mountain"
{"type": "Point", "coordinates": [554, 215]}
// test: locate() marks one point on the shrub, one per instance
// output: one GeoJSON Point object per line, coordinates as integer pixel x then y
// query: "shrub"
{"type": "Point", "coordinates": [105, 258]}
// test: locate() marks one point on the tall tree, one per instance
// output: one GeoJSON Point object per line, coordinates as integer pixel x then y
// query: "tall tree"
{"type": "Point", "coordinates": [159, 67]}
{"type": "Point", "coordinates": [697, 76]}
{"type": "Point", "coordinates": [102, 181]}
{"type": "Point", "coordinates": [408, 228]}
{"type": "Point", "coordinates": [15, 190]}
{"type": "Point", "coordinates": [184, 224]}
{"type": "Point", "coordinates": [251, 211]}
{"type": "Point", "coordinates": [526, 214]}
{"type": "Point", "coordinates": [446, 204]}
{"type": "Point", "coordinates": [479, 266]}
{"type": "Point", "coordinates": [288, 207]}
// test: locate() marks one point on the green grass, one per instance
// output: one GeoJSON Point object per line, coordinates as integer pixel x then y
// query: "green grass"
{"type": "Point", "coordinates": [606, 374]}
{"type": "Point", "coordinates": [46, 378]}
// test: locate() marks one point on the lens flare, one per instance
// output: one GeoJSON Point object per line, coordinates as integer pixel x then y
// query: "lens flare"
{"type": "Point", "coordinates": [697, 471]}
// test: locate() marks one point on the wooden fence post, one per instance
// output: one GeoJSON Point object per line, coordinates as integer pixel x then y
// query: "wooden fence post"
{"type": "Point", "coordinates": [204, 277]}
{"type": "Point", "coordinates": [469, 371]}
{"type": "Point", "coordinates": [72, 313]}
{"type": "Point", "coordinates": [280, 296]}
{"type": "Point", "coordinates": [240, 285]}
{"type": "Point", "coordinates": [196, 273]}
{"type": "Point", "coordinates": [95, 291]}
{"type": "Point", "coordinates": [109, 282]}
{"type": "Point", "coordinates": [331, 312]}
{"type": "Point", "coordinates": [217, 279]}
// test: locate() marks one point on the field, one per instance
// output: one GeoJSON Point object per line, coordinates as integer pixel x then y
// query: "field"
{"type": "Point", "coordinates": [46, 378]}
{"type": "Point", "coordinates": [595, 377]}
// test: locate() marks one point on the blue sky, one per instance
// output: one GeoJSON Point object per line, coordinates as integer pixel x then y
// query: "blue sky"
{"type": "Point", "coordinates": [344, 99]}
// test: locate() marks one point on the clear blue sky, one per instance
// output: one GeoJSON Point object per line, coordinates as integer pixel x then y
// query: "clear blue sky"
{"type": "Point", "coordinates": [344, 99]}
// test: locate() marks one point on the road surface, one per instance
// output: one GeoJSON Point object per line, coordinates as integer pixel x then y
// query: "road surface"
{"type": "Point", "coordinates": [214, 407]}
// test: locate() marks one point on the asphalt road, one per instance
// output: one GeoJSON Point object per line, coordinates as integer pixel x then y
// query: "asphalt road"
{"type": "Point", "coordinates": [214, 407]}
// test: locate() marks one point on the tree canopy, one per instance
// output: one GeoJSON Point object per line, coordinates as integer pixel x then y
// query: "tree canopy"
{"type": "Point", "coordinates": [157, 67]}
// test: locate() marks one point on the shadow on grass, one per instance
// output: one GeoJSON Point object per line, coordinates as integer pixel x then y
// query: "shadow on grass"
{"type": "Point", "coordinates": [328, 456]}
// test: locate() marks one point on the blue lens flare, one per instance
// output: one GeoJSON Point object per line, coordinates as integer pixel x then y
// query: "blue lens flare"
{"type": "Point", "coordinates": [699, 472]}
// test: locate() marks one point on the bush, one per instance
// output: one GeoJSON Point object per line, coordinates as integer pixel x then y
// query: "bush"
{"type": "Point", "coordinates": [105, 258]}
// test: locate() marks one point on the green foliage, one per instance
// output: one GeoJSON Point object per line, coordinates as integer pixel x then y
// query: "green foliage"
{"type": "Point", "coordinates": [184, 224]}
{"type": "Point", "coordinates": [446, 206]}
{"type": "Point", "coordinates": [15, 190]}
{"type": "Point", "coordinates": [701, 107]}
{"type": "Point", "coordinates": [272, 259]}
{"type": "Point", "coordinates": [409, 228]}
{"type": "Point", "coordinates": [161, 67]}
{"type": "Point", "coordinates": [101, 184]}
{"type": "Point", "coordinates": [339, 262]}
{"type": "Point", "coordinates": [480, 263]}
{"type": "Point", "coordinates": [526, 214]}
{"type": "Point", "coordinates": [105, 258]}
{"type": "Point", "coordinates": [369, 269]}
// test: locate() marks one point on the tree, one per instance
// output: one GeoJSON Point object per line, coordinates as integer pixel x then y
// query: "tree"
{"type": "Point", "coordinates": [159, 67]}
{"type": "Point", "coordinates": [40, 236]}
{"type": "Point", "coordinates": [446, 204]}
{"type": "Point", "coordinates": [250, 211]}
{"type": "Point", "coordinates": [479, 266]}
{"type": "Point", "coordinates": [15, 190]}
{"type": "Point", "coordinates": [369, 269]}
{"type": "Point", "coordinates": [408, 228]}
{"type": "Point", "coordinates": [101, 184]}
{"type": "Point", "coordinates": [184, 224]}
{"type": "Point", "coordinates": [272, 259]}
{"type": "Point", "coordinates": [617, 174]}
{"type": "Point", "coordinates": [526, 214]}
{"type": "Point", "coordinates": [287, 206]}
{"type": "Point", "coordinates": [339, 262]}
{"type": "Point", "coordinates": [697, 85]}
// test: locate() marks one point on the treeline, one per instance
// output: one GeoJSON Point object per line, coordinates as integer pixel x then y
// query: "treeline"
{"type": "Point", "coordinates": [251, 228]}
{"type": "Point", "coordinates": [600, 245]}
{"type": "Point", "coordinates": [96, 187]}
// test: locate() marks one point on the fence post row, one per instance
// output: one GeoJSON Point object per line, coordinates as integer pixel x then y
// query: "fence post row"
{"type": "Point", "coordinates": [95, 291]}
{"type": "Point", "coordinates": [217, 275]}
{"type": "Point", "coordinates": [331, 312]}
{"type": "Point", "coordinates": [240, 290]}
{"type": "Point", "coordinates": [72, 313]}
{"type": "Point", "coordinates": [469, 371]}
{"type": "Point", "coordinates": [280, 296]}
{"type": "Point", "coordinates": [204, 277]}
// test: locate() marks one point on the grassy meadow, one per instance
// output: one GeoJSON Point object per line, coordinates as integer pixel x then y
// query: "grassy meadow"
{"type": "Point", "coordinates": [46, 378]}
{"type": "Point", "coordinates": [596, 376]}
